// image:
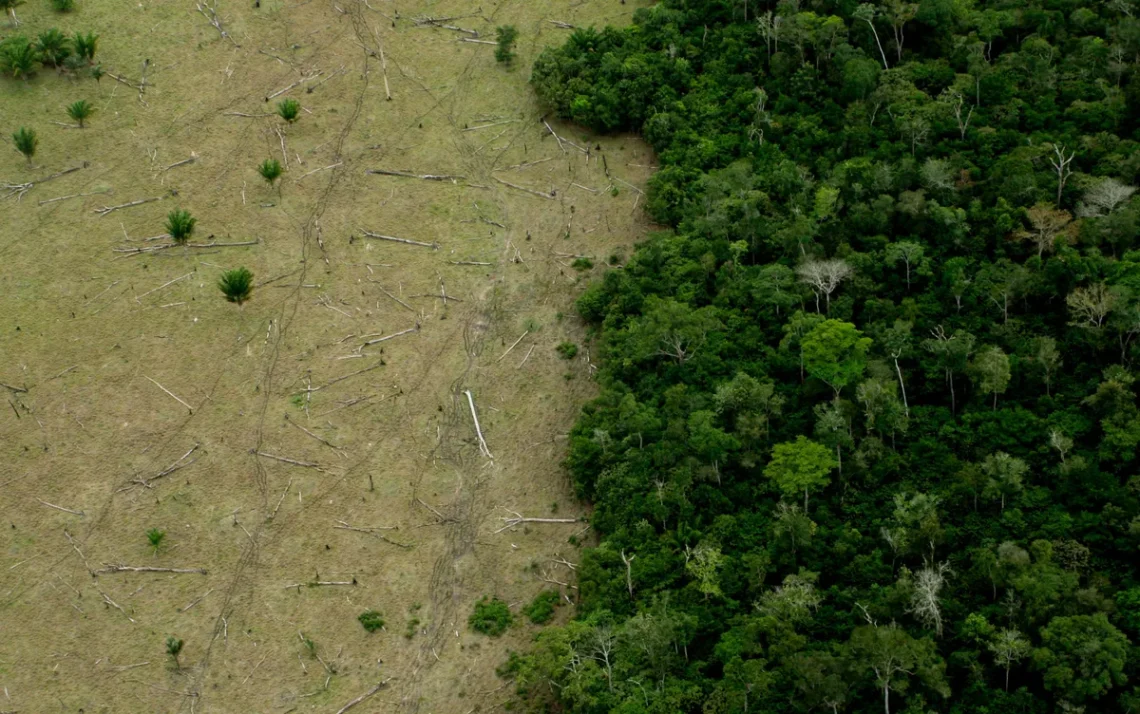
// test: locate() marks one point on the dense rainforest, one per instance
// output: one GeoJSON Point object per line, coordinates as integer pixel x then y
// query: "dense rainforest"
{"type": "Point", "coordinates": [867, 437]}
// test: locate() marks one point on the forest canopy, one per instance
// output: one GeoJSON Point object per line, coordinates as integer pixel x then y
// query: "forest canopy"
{"type": "Point", "coordinates": [867, 433]}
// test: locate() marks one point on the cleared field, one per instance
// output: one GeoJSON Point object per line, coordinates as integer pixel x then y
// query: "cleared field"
{"type": "Point", "coordinates": [267, 440]}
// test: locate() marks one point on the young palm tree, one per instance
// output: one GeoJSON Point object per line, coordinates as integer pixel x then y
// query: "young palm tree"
{"type": "Point", "coordinates": [174, 648]}
{"type": "Point", "coordinates": [270, 170]}
{"type": "Point", "coordinates": [155, 537]}
{"type": "Point", "coordinates": [53, 46]}
{"type": "Point", "coordinates": [18, 57]}
{"type": "Point", "coordinates": [85, 44]}
{"type": "Point", "coordinates": [10, 6]}
{"type": "Point", "coordinates": [287, 109]}
{"type": "Point", "coordinates": [80, 111]}
{"type": "Point", "coordinates": [26, 142]}
{"type": "Point", "coordinates": [236, 285]}
{"type": "Point", "coordinates": [180, 224]}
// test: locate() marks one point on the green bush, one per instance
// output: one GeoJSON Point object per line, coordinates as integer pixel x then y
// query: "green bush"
{"type": "Point", "coordinates": [289, 110]}
{"type": "Point", "coordinates": [582, 264]}
{"type": "Point", "coordinates": [491, 617]}
{"type": "Point", "coordinates": [80, 111]}
{"type": "Point", "coordinates": [567, 350]}
{"type": "Point", "coordinates": [18, 58]}
{"type": "Point", "coordinates": [236, 285]}
{"type": "Point", "coordinates": [85, 45]}
{"type": "Point", "coordinates": [155, 537]}
{"type": "Point", "coordinates": [26, 142]}
{"type": "Point", "coordinates": [371, 620]}
{"type": "Point", "coordinates": [541, 608]}
{"type": "Point", "coordinates": [507, 34]}
{"type": "Point", "coordinates": [180, 225]}
{"type": "Point", "coordinates": [53, 47]}
{"type": "Point", "coordinates": [63, 5]}
{"type": "Point", "coordinates": [270, 170]}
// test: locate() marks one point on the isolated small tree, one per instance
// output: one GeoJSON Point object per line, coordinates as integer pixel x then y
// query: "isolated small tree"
{"type": "Point", "coordinates": [289, 110]}
{"type": "Point", "coordinates": [154, 536]}
{"type": "Point", "coordinates": [26, 142]}
{"type": "Point", "coordinates": [491, 616]}
{"type": "Point", "coordinates": [174, 648]}
{"type": "Point", "coordinates": [370, 620]}
{"type": "Point", "coordinates": [85, 45]}
{"type": "Point", "coordinates": [506, 35]}
{"type": "Point", "coordinates": [80, 111]}
{"type": "Point", "coordinates": [270, 170]}
{"type": "Point", "coordinates": [180, 225]}
{"type": "Point", "coordinates": [236, 285]}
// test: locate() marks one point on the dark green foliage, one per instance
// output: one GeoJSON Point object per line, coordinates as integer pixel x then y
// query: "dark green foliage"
{"type": "Point", "coordinates": [97, 72]}
{"type": "Point", "coordinates": [26, 141]}
{"type": "Point", "coordinates": [270, 170]}
{"type": "Point", "coordinates": [173, 649]}
{"type": "Point", "coordinates": [900, 276]}
{"type": "Point", "coordinates": [53, 47]}
{"type": "Point", "coordinates": [566, 350]}
{"type": "Point", "coordinates": [80, 111]}
{"type": "Point", "coordinates": [180, 225]}
{"type": "Point", "coordinates": [541, 609]}
{"type": "Point", "coordinates": [506, 35]}
{"type": "Point", "coordinates": [18, 57]}
{"type": "Point", "coordinates": [371, 620]}
{"type": "Point", "coordinates": [63, 5]}
{"type": "Point", "coordinates": [491, 617]}
{"type": "Point", "coordinates": [289, 109]}
{"type": "Point", "coordinates": [85, 45]}
{"type": "Point", "coordinates": [582, 264]}
{"type": "Point", "coordinates": [236, 285]}
{"type": "Point", "coordinates": [154, 536]}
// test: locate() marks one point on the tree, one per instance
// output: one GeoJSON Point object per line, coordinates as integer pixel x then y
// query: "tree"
{"type": "Point", "coordinates": [910, 253]}
{"type": "Point", "coordinates": [1104, 197]}
{"type": "Point", "coordinates": [1005, 476]}
{"type": "Point", "coordinates": [289, 110]}
{"type": "Point", "coordinates": [926, 589]}
{"type": "Point", "coordinates": [1060, 164]}
{"type": "Point", "coordinates": [794, 602]}
{"type": "Point", "coordinates": [835, 353]}
{"type": "Point", "coordinates": [80, 111]}
{"type": "Point", "coordinates": [897, 341]}
{"type": "Point", "coordinates": [1081, 657]}
{"type": "Point", "coordinates": [892, 655]}
{"type": "Point", "coordinates": [789, 521]}
{"type": "Point", "coordinates": [236, 285]}
{"type": "Point", "coordinates": [823, 277]}
{"type": "Point", "coordinates": [866, 13]}
{"type": "Point", "coordinates": [1090, 305]}
{"type": "Point", "coordinates": [174, 648]}
{"type": "Point", "coordinates": [991, 371]}
{"type": "Point", "coordinates": [1050, 225]}
{"type": "Point", "coordinates": [800, 465]}
{"type": "Point", "coordinates": [180, 225]}
{"type": "Point", "coordinates": [703, 563]}
{"type": "Point", "coordinates": [1008, 647]}
{"type": "Point", "coordinates": [882, 409]}
{"type": "Point", "coordinates": [1047, 358]}
{"type": "Point", "coordinates": [796, 329]}
{"type": "Point", "coordinates": [833, 429]}
{"type": "Point", "coordinates": [672, 329]}
{"type": "Point", "coordinates": [506, 36]}
{"type": "Point", "coordinates": [26, 141]}
{"type": "Point", "coordinates": [952, 352]}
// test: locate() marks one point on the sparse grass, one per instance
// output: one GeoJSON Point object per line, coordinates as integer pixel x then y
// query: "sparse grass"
{"type": "Point", "coordinates": [236, 285]}
{"type": "Point", "coordinates": [80, 111]}
{"type": "Point", "coordinates": [491, 617]}
{"type": "Point", "coordinates": [289, 110]}
{"type": "Point", "coordinates": [541, 609]}
{"type": "Point", "coordinates": [26, 141]}
{"type": "Point", "coordinates": [180, 225]}
{"type": "Point", "coordinates": [371, 620]}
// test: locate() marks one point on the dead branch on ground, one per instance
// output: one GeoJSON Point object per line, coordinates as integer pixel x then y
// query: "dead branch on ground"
{"type": "Point", "coordinates": [547, 196]}
{"type": "Point", "coordinates": [111, 209]}
{"type": "Point", "coordinates": [19, 189]}
{"type": "Point", "coordinates": [478, 431]}
{"type": "Point", "coordinates": [210, 12]}
{"type": "Point", "coordinates": [332, 446]}
{"type": "Point", "coordinates": [415, 328]}
{"type": "Point", "coordinates": [195, 602]}
{"type": "Point", "coordinates": [146, 482]}
{"type": "Point", "coordinates": [373, 531]}
{"type": "Point", "coordinates": [377, 236]}
{"type": "Point", "coordinates": [285, 460]}
{"type": "Point", "coordinates": [61, 508]}
{"type": "Point", "coordinates": [563, 25]}
{"type": "Point", "coordinates": [172, 394]}
{"type": "Point", "coordinates": [183, 162]}
{"type": "Point", "coordinates": [364, 696]}
{"type": "Point", "coordinates": [107, 599]}
{"type": "Point", "coordinates": [408, 174]}
{"type": "Point", "coordinates": [299, 82]}
{"type": "Point", "coordinates": [406, 305]}
{"type": "Point", "coordinates": [513, 345]}
{"type": "Point", "coordinates": [321, 583]}
{"type": "Point", "coordinates": [120, 568]}
{"type": "Point", "coordinates": [341, 379]}
{"type": "Point", "coordinates": [516, 518]}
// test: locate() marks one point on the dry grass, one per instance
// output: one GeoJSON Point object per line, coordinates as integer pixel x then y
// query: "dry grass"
{"type": "Point", "coordinates": [91, 334]}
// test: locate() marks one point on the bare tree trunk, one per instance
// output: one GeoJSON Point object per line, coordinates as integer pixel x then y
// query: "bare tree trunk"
{"type": "Point", "coordinates": [906, 406]}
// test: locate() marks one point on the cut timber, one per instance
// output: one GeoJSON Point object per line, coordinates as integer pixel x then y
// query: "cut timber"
{"type": "Point", "coordinates": [373, 531]}
{"type": "Point", "coordinates": [111, 209]}
{"type": "Point", "coordinates": [119, 568]}
{"type": "Point", "coordinates": [516, 518]}
{"type": "Point", "coordinates": [172, 394]}
{"type": "Point", "coordinates": [210, 12]}
{"type": "Point", "coordinates": [415, 328]}
{"type": "Point", "coordinates": [478, 431]}
{"type": "Point", "coordinates": [60, 508]}
{"type": "Point", "coordinates": [299, 82]}
{"type": "Point", "coordinates": [341, 379]}
{"type": "Point", "coordinates": [321, 583]}
{"type": "Point", "coordinates": [478, 42]}
{"type": "Point", "coordinates": [183, 162]}
{"type": "Point", "coordinates": [408, 174]}
{"type": "Point", "coordinates": [285, 460]}
{"type": "Point", "coordinates": [145, 482]}
{"type": "Point", "coordinates": [563, 25]}
{"type": "Point", "coordinates": [547, 196]}
{"type": "Point", "coordinates": [514, 345]}
{"type": "Point", "coordinates": [19, 189]}
{"type": "Point", "coordinates": [377, 236]}
{"type": "Point", "coordinates": [165, 246]}
{"type": "Point", "coordinates": [409, 307]}
{"type": "Point", "coordinates": [364, 696]}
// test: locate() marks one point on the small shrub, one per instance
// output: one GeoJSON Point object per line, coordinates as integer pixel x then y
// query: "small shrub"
{"type": "Point", "coordinates": [53, 47]}
{"type": "Point", "coordinates": [63, 5]}
{"type": "Point", "coordinates": [180, 225]}
{"type": "Point", "coordinates": [236, 285]}
{"type": "Point", "coordinates": [97, 72]}
{"type": "Point", "coordinates": [174, 648]}
{"type": "Point", "coordinates": [567, 350]}
{"type": "Point", "coordinates": [270, 170]}
{"type": "Point", "coordinates": [85, 45]}
{"type": "Point", "coordinates": [80, 111]}
{"type": "Point", "coordinates": [310, 646]}
{"type": "Point", "coordinates": [26, 142]}
{"type": "Point", "coordinates": [18, 58]}
{"type": "Point", "coordinates": [507, 34]}
{"type": "Point", "coordinates": [155, 537]}
{"type": "Point", "coordinates": [490, 617]}
{"type": "Point", "coordinates": [289, 110]}
{"type": "Point", "coordinates": [582, 264]}
{"type": "Point", "coordinates": [371, 620]}
{"type": "Point", "coordinates": [541, 608]}
{"type": "Point", "coordinates": [412, 625]}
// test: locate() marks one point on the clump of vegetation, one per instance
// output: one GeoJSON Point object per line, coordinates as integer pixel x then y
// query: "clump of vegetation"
{"type": "Point", "coordinates": [18, 57]}
{"type": "Point", "coordinates": [541, 608]}
{"type": "Point", "coordinates": [506, 36]}
{"type": "Point", "coordinates": [567, 350]}
{"type": "Point", "coordinates": [63, 5]}
{"type": "Point", "coordinates": [371, 620]}
{"type": "Point", "coordinates": [26, 141]}
{"type": "Point", "coordinates": [53, 47]}
{"type": "Point", "coordinates": [155, 537]}
{"type": "Point", "coordinates": [270, 170]}
{"type": "Point", "coordinates": [236, 285]}
{"type": "Point", "coordinates": [582, 264]}
{"type": "Point", "coordinates": [85, 45]}
{"type": "Point", "coordinates": [174, 648]}
{"type": "Point", "coordinates": [180, 225]}
{"type": "Point", "coordinates": [491, 617]}
{"type": "Point", "coordinates": [80, 111]}
{"type": "Point", "coordinates": [289, 110]}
